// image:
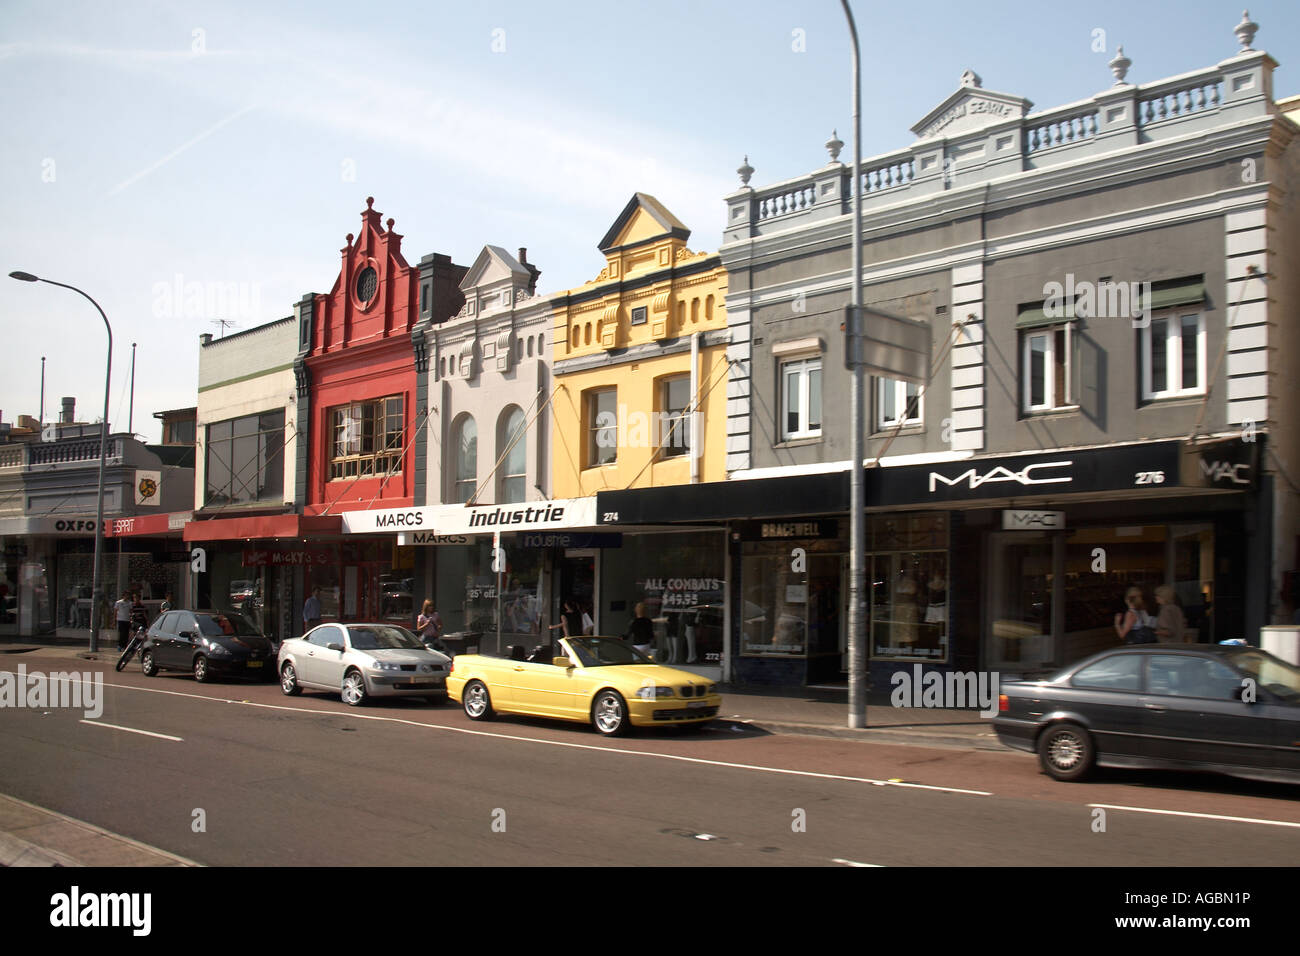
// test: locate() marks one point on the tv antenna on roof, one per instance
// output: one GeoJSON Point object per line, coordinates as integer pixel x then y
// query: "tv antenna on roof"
{"type": "Point", "coordinates": [224, 324]}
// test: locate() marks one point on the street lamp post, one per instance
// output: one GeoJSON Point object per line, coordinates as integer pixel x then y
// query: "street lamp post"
{"type": "Point", "coordinates": [96, 599]}
{"type": "Point", "coordinates": [857, 482]}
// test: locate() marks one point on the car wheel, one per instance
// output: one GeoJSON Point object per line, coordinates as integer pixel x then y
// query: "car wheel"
{"type": "Point", "coordinates": [477, 701]}
{"type": "Point", "coordinates": [201, 672]}
{"type": "Point", "coordinates": [354, 689]}
{"type": "Point", "coordinates": [289, 681]}
{"type": "Point", "coordinates": [1066, 752]}
{"type": "Point", "coordinates": [609, 713]}
{"type": "Point", "coordinates": [148, 666]}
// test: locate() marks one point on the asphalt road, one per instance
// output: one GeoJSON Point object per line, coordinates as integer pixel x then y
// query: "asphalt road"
{"type": "Point", "coordinates": [279, 781]}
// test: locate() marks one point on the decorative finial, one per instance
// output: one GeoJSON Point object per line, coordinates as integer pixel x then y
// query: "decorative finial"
{"type": "Point", "coordinates": [349, 238]}
{"type": "Point", "coordinates": [971, 78]}
{"type": "Point", "coordinates": [1119, 66]}
{"type": "Point", "coordinates": [745, 171]}
{"type": "Point", "coordinates": [1245, 31]}
{"type": "Point", "coordinates": [390, 223]}
{"type": "Point", "coordinates": [370, 202]}
{"type": "Point", "coordinates": [833, 145]}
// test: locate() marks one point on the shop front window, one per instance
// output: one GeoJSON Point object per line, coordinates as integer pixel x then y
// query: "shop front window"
{"type": "Point", "coordinates": [679, 578]}
{"type": "Point", "coordinates": [474, 611]}
{"type": "Point", "coordinates": [1023, 580]}
{"type": "Point", "coordinates": [909, 587]}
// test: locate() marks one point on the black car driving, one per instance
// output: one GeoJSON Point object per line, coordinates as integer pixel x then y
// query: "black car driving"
{"type": "Point", "coordinates": [1229, 709]}
{"type": "Point", "coordinates": [208, 644]}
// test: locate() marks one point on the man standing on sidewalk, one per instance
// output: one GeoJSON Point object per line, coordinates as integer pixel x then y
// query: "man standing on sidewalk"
{"type": "Point", "coordinates": [123, 609]}
{"type": "Point", "coordinates": [311, 610]}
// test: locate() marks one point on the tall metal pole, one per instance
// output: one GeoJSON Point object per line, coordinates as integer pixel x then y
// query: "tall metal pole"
{"type": "Point", "coordinates": [42, 393]}
{"type": "Point", "coordinates": [130, 414]}
{"type": "Point", "coordinates": [95, 598]}
{"type": "Point", "coordinates": [857, 480]}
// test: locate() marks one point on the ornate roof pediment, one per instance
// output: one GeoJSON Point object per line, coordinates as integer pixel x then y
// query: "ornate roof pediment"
{"type": "Point", "coordinates": [970, 108]}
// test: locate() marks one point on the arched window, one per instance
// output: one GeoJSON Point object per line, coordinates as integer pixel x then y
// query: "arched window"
{"type": "Point", "coordinates": [512, 443]}
{"type": "Point", "coordinates": [708, 309]}
{"type": "Point", "coordinates": [695, 310]}
{"type": "Point", "coordinates": [465, 446]}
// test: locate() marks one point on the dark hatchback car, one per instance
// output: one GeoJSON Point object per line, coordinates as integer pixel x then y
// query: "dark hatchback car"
{"type": "Point", "coordinates": [208, 644]}
{"type": "Point", "coordinates": [1225, 709]}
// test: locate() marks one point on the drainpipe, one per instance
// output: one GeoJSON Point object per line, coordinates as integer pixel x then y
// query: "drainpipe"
{"type": "Point", "coordinates": [695, 409]}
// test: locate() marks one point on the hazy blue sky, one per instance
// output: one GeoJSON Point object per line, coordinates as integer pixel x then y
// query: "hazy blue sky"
{"type": "Point", "coordinates": [236, 142]}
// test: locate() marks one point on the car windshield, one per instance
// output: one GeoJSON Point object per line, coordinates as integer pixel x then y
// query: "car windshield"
{"type": "Point", "coordinates": [225, 625]}
{"type": "Point", "coordinates": [382, 638]}
{"type": "Point", "coordinates": [600, 651]}
{"type": "Point", "coordinates": [1276, 676]}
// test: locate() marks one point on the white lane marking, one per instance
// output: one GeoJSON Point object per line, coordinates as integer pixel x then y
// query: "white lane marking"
{"type": "Point", "coordinates": [855, 863]}
{"type": "Point", "coordinates": [182, 860]}
{"type": "Point", "coordinates": [130, 730]}
{"type": "Point", "coordinates": [558, 743]}
{"type": "Point", "coordinates": [1203, 816]}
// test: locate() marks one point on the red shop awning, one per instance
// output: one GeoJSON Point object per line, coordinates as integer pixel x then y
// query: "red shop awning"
{"type": "Point", "coordinates": [263, 526]}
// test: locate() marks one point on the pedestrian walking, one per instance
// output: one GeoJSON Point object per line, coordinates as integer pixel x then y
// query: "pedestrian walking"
{"type": "Point", "coordinates": [311, 610]}
{"type": "Point", "coordinates": [429, 626]}
{"type": "Point", "coordinates": [641, 632]}
{"type": "Point", "coordinates": [123, 612]}
{"type": "Point", "coordinates": [1134, 625]}
{"type": "Point", "coordinates": [571, 619]}
{"type": "Point", "coordinates": [139, 613]}
{"type": "Point", "coordinates": [1170, 623]}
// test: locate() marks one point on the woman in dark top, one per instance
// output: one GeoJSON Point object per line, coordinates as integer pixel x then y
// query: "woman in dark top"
{"type": "Point", "coordinates": [641, 632]}
{"type": "Point", "coordinates": [571, 619]}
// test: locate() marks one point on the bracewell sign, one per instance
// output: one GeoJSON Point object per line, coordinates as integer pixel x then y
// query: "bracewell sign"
{"type": "Point", "coordinates": [440, 521]}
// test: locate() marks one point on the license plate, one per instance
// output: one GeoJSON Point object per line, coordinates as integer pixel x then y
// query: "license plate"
{"type": "Point", "coordinates": [254, 663]}
{"type": "Point", "coordinates": [696, 705]}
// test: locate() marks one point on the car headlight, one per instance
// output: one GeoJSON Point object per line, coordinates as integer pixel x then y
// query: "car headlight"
{"type": "Point", "coordinates": [385, 666]}
{"type": "Point", "coordinates": [650, 693]}
{"type": "Point", "coordinates": [215, 649]}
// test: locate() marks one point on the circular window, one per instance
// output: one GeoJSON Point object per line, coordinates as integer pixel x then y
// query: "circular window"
{"type": "Point", "coordinates": [367, 283]}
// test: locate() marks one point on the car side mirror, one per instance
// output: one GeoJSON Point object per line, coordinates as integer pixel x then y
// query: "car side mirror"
{"type": "Point", "coordinates": [334, 647]}
{"type": "Point", "coordinates": [561, 662]}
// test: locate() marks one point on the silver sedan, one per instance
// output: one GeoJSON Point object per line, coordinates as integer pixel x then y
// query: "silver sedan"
{"type": "Point", "coordinates": [360, 661]}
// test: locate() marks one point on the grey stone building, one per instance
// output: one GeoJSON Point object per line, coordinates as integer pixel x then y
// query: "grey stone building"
{"type": "Point", "coordinates": [1112, 295]}
{"type": "Point", "coordinates": [49, 483]}
{"type": "Point", "coordinates": [487, 443]}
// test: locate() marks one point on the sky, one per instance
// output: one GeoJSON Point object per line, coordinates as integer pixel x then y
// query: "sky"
{"type": "Point", "coordinates": [225, 150]}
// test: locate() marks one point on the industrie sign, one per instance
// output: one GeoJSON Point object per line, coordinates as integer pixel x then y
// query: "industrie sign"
{"type": "Point", "coordinates": [436, 522]}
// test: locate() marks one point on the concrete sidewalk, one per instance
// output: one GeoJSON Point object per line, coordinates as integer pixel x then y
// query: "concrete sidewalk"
{"type": "Point", "coordinates": [33, 836]}
{"type": "Point", "coordinates": [826, 713]}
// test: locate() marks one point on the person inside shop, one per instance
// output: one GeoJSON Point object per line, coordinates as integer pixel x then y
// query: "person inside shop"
{"type": "Point", "coordinates": [641, 632]}
{"type": "Point", "coordinates": [122, 610]}
{"type": "Point", "coordinates": [429, 627]}
{"type": "Point", "coordinates": [139, 613]}
{"type": "Point", "coordinates": [1134, 625]}
{"type": "Point", "coordinates": [1170, 623]}
{"type": "Point", "coordinates": [166, 603]}
{"type": "Point", "coordinates": [311, 610]}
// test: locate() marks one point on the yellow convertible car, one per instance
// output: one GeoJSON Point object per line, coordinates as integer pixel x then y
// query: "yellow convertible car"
{"type": "Point", "coordinates": [599, 680]}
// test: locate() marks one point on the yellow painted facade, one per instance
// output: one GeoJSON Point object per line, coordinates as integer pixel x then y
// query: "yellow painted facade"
{"type": "Point", "coordinates": [621, 356]}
